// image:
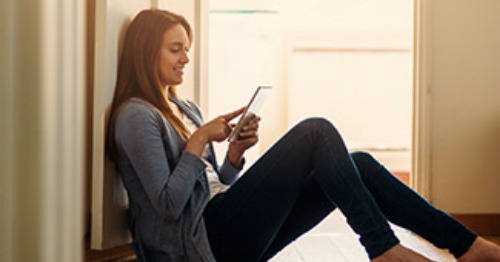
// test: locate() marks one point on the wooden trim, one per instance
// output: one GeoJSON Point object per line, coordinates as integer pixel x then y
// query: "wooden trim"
{"type": "Point", "coordinates": [331, 49]}
{"type": "Point", "coordinates": [201, 79]}
{"type": "Point", "coordinates": [120, 253]}
{"type": "Point", "coordinates": [89, 105]}
{"type": "Point", "coordinates": [403, 176]}
{"type": "Point", "coordinates": [421, 145]}
{"type": "Point", "coordinates": [483, 224]}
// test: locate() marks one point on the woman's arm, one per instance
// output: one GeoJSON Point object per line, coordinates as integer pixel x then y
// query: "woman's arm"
{"type": "Point", "coordinates": [248, 137]}
{"type": "Point", "coordinates": [216, 130]}
{"type": "Point", "coordinates": [139, 140]}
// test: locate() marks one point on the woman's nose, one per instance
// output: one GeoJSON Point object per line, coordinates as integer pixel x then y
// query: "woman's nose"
{"type": "Point", "coordinates": [185, 58]}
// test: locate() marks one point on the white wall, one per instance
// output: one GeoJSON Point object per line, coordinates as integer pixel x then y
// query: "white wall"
{"type": "Point", "coordinates": [109, 226]}
{"type": "Point", "coordinates": [109, 201]}
{"type": "Point", "coordinates": [349, 61]}
{"type": "Point", "coordinates": [461, 42]}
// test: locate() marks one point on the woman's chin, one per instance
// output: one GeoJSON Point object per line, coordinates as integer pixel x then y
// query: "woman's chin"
{"type": "Point", "coordinates": [174, 83]}
{"type": "Point", "coordinates": [177, 81]}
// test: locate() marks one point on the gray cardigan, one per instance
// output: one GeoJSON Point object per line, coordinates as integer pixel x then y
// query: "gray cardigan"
{"type": "Point", "coordinates": [167, 186]}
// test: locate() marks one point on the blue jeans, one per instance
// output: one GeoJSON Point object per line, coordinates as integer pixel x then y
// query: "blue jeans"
{"type": "Point", "coordinates": [304, 177]}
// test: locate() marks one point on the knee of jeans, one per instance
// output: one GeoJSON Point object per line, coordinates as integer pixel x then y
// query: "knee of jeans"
{"type": "Point", "coordinates": [362, 159]}
{"type": "Point", "coordinates": [317, 124]}
{"type": "Point", "coordinates": [361, 156]}
{"type": "Point", "coordinates": [312, 121]}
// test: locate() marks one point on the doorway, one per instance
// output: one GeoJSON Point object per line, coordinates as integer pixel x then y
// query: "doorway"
{"type": "Point", "coordinates": [348, 61]}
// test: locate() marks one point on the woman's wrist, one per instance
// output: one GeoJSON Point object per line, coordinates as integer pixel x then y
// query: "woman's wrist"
{"type": "Point", "coordinates": [196, 144]}
{"type": "Point", "coordinates": [234, 158]}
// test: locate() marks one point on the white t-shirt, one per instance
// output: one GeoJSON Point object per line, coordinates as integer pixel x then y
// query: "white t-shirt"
{"type": "Point", "coordinates": [216, 186]}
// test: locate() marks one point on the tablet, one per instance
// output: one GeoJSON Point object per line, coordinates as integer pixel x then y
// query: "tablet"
{"type": "Point", "coordinates": [250, 111]}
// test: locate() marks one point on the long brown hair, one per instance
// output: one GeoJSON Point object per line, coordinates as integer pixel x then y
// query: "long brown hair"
{"type": "Point", "coordinates": [138, 74]}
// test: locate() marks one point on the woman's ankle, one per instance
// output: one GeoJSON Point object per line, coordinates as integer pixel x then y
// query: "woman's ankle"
{"type": "Point", "coordinates": [481, 250]}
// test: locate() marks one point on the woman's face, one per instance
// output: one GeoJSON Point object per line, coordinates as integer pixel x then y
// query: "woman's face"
{"type": "Point", "coordinates": [173, 55]}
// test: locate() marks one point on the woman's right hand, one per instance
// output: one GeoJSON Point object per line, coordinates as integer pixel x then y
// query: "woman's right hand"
{"type": "Point", "coordinates": [216, 130]}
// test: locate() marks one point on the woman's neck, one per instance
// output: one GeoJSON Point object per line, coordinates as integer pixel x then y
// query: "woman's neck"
{"type": "Point", "coordinates": [175, 109]}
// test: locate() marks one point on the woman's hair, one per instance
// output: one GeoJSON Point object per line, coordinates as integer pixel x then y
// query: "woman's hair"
{"type": "Point", "coordinates": [138, 74]}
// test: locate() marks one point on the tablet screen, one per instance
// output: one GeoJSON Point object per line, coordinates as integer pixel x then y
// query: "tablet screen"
{"type": "Point", "coordinates": [251, 110]}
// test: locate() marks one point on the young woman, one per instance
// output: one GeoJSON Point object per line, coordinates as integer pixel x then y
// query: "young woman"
{"type": "Point", "coordinates": [185, 207]}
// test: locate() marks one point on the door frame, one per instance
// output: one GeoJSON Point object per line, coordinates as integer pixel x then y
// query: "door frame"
{"type": "Point", "coordinates": [421, 144]}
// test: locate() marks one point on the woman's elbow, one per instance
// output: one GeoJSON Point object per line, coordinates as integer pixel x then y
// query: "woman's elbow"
{"type": "Point", "coordinates": [169, 210]}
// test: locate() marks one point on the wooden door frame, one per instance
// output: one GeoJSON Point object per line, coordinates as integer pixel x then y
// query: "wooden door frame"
{"type": "Point", "coordinates": [481, 223]}
{"type": "Point", "coordinates": [421, 144]}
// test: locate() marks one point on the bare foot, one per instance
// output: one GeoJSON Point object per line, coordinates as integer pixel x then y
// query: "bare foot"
{"type": "Point", "coordinates": [481, 250]}
{"type": "Point", "coordinates": [399, 253]}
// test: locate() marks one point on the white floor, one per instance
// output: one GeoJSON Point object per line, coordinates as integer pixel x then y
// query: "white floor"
{"type": "Point", "coordinates": [333, 240]}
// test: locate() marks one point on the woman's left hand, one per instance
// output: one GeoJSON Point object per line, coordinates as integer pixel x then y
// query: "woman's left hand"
{"type": "Point", "coordinates": [247, 138]}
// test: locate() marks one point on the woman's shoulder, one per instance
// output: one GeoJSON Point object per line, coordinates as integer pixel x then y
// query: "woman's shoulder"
{"type": "Point", "coordinates": [137, 105]}
{"type": "Point", "coordinates": [137, 110]}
